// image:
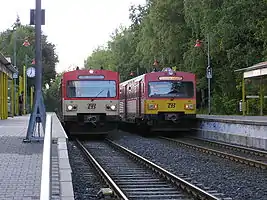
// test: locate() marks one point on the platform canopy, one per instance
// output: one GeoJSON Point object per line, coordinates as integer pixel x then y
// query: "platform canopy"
{"type": "Point", "coordinates": [256, 70]}
{"type": "Point", "coordinates": [6, 66]}
{"type": "Point", "coordinates": [254, 89]}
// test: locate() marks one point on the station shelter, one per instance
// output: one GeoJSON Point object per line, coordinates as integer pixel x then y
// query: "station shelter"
{"type": "Point", "coordinates": [7, 89]}
{"type": "Point", "coordinates": [254, 89]}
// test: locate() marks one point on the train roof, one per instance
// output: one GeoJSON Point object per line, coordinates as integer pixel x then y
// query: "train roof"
{"type": "Point", "coordinates": [138, 78]}
{"type": "Point", "coordinates": [82, 71]}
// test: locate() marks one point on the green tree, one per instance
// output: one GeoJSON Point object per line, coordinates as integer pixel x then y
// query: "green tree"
{"type": "Point", "coordinates": [101, 57]}
{"type": "Point", "coordinates": [19, 33]}
{"type": "Point", "coordinates": [52, 94]}
{"type": "Point", "coordinates": [167, 31]}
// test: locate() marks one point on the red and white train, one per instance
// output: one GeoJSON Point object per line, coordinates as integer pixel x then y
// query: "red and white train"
{"type": "Point", "coordinates": [90, 101]}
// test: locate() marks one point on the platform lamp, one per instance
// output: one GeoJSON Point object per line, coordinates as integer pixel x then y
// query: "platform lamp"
{"type": "Point", "coordinates": [208, 69]}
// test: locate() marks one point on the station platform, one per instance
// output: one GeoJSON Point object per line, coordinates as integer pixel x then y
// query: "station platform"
{"type": "Point", "coordinates": [249, 131]}
{"type": "Point", "coordinates": [21, 163]}
{"type": "Point", "coordinates": [261, 120]}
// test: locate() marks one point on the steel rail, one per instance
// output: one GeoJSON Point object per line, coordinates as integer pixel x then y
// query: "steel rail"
{"type": "Point", "coordinates": [256, 152]}
{"type": "Point", "coordinates": [240, 159]}
{"type": "Point", "coordinates": [102, 172]}
{"type": "Point", "coordinates": [181, 183]}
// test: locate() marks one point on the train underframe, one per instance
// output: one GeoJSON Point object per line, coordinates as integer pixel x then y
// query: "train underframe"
{"type": "Point", "coordinates": [170, 121]}
{"type": "Point", "coordinates": [90, 124]}
{"type": "Point", "coordinates": [164, 122]}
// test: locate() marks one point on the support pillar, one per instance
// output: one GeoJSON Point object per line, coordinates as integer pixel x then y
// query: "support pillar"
{"type": "Point", "coordinates": [17, 99]}
{"type": "Point", "coordinates": [38, 115]}
{"type": "Point", "coordinates": [243, 97]}
{"type": "Point", "coordinates": [14, 99]}
{"type": "Point", "coordinates": [31, 104]}
{"type": "Point", "coordinates": [12, 96]}
{"type": "Point", "coordinates": [5, 96]}
{"type": "Point", "coordinates": [1, 96]}
{"type": "Point", "coordinates": [24, 89]}
{"type": "Point", "coordinates": [261, 95]}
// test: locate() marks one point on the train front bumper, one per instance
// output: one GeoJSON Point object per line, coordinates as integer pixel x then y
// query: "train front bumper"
{"type": "Point", "coordinates": [82, 117]}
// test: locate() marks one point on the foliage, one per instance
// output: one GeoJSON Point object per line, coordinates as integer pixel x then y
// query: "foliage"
{"type": "Point", "coordinates": [167, 31]}
{"type": "Point", "coordinates": [25, 55]}
{"type": "Point", "coordinates": [101, 57]}
{"type": "Point", "coordinates": [52, 95]}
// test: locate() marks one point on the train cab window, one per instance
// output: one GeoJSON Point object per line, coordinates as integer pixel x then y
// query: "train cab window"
{"type": "Point", "coordinates": [176, 89]}
{"type": "Point", "coordinates": [92, 88]}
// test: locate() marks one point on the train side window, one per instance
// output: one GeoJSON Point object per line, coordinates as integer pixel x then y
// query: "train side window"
{"type": "Point", "coordinates": [137, 89]}
{"type": "Point", "coordinates": [129, 93]}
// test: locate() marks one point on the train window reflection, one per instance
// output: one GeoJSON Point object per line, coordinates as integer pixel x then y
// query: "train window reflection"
{"type": "Point", "coordinates": [177, 89]}
{"type": "Point", "coordinates": [92, 88]}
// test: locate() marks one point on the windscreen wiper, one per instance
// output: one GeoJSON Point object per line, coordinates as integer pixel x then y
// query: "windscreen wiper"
{"type": "Point", "coordinates": [98, 94]}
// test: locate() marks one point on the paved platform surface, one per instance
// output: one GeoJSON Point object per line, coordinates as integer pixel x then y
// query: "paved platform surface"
{"type": "Point", "coordinates": [21, 163]}
{"type": "Point", "coordinates": [20, 166]}
{"type": "Point", "coordinates": [260, 120]}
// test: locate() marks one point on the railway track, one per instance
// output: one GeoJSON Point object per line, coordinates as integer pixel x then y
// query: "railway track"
{"type": "Point", "coordinates": [249, 156]}
{"type": "Point", "coordinates": [131, 176]}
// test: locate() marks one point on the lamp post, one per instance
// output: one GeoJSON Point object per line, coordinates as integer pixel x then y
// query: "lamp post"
{"type": "Point", "coordinates": [208, 70]}
{"type": "Point", "coordinates": [15, 65]}
{"type": "Point", "coordinates": [38, 114]}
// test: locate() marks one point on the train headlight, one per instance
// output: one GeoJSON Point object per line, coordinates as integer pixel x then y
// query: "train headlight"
{"type": "Point", "coordinates": [71, 107]}
{"type": "Point", "coordinates": [152, 106]}
{"type": "Point", "coordinates": [111, 107]}
{"type": "Point", "coordinates": [189, 106]}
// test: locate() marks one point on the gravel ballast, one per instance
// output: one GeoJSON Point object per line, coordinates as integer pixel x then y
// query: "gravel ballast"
{"type": "Point", "coordinates": [235, 180]}
{"type": "Point", "coordinates": [86, 182]}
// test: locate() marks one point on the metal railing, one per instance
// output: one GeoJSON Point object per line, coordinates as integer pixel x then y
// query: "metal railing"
{"type": "Point", "coordinates": [47, 163]}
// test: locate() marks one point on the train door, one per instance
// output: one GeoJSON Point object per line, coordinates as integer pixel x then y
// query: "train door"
{"type": "Point", "coordinates": [139, 97]}
{"type": "Point", "coordinates": [125, 101]}
{"type": "Point", "coordinates": [61, 94]}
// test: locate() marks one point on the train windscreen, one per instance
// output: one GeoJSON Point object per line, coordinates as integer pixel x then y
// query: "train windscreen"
{"type": "Point", "coordinates": [176, 89]}
{"type": "Point", "coordinates": [91, 89]}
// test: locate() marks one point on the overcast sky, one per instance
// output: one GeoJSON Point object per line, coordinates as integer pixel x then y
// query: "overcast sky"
{"type": "Point", "coordinates": [75, 27]}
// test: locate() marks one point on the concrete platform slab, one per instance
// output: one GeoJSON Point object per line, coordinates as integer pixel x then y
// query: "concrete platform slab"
{"type": "Point", "coordinates": [249, 120]}
{"type": "Point", "coordinates": [248, 131]}
{"type": "Point", "coordinates": [59, 134]}
{"type": "Point", "coordinates": [20, 166]}
{"type": "Point", "coordinates": [21, 163]}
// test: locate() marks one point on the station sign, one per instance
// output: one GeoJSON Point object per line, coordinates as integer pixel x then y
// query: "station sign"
{"type": "Point", "coordinates": [15, 75]}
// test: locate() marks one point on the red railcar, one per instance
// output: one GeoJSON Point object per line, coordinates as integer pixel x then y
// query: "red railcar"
{"type": "Point", "coordinates": [90, 101]}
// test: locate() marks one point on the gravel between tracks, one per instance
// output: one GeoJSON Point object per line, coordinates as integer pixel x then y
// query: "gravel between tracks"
{"type": "Point", "coordinates": [85, 181]}
{"type": "Point", "coordinates": [225, 150]}
{"type": "Point", "coordinates": [233, 179]}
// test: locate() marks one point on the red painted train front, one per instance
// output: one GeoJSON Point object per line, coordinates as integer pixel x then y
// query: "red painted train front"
{"type": "Point", "coordinates": [90, 101]}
